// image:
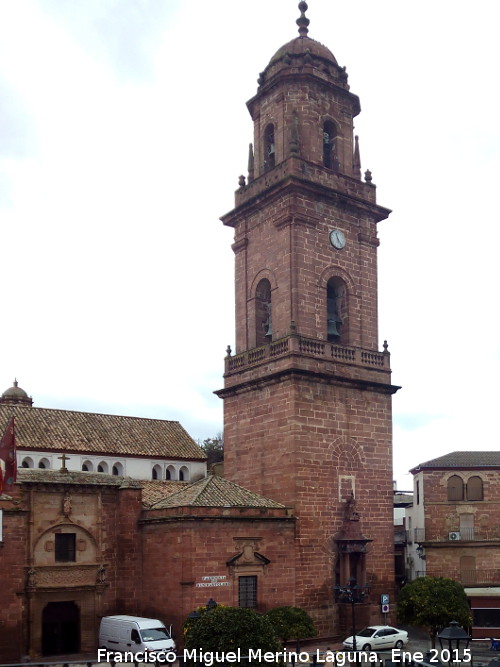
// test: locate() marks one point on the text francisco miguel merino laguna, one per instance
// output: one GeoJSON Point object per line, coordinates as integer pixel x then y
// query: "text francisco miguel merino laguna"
{"type": "Point", "coordinates": [210, 658]}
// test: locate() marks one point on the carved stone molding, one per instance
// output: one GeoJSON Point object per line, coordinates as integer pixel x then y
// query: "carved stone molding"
{"type": "Point", "coordinates": [61, 576]}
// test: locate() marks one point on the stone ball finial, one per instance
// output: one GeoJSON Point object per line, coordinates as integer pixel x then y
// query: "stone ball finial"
{"type": "Point", "coordinates": [303, 21]}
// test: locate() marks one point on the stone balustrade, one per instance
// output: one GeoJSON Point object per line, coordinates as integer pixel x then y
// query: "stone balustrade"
{"type": "Point", "coordinates": [309, 347]}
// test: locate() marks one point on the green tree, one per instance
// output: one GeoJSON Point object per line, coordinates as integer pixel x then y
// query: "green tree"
{"type": "Point", "coordinates": [291, 623]}
{"type": "Point", "coordinates": [213, 449]}
{"type": "Point", "coordinates": [431, 603]}
{"type": "Point", "coordinates": [229, 628]}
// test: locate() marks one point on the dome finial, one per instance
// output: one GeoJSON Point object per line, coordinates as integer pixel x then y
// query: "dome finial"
{"type": "Point", "coordinates": [303, 21]}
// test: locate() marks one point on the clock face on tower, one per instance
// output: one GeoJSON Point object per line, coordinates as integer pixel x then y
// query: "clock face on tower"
{"type": "Point", "coordinates": [337, 239]}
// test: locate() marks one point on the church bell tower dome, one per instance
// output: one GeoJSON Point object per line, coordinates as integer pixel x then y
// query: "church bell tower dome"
{"type": "Point", "coordinates": [15, 396]}
{"type": "Point", "coordinates": [304, 52]}
{"type": "Point", "coordinates": [303, 108]}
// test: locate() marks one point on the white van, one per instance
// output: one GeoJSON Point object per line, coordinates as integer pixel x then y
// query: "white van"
{"type": "Point", "coordinates": [134, 634]}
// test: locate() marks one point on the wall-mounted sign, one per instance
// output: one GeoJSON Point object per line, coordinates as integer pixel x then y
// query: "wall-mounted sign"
{"type": "Point", "coordinates": [214, 581]}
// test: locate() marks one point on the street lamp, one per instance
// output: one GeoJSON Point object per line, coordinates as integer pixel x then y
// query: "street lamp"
{"type": "Point", "coordinates": [352, 594]}
{"type": "Point", "coordinates": [449, 640]}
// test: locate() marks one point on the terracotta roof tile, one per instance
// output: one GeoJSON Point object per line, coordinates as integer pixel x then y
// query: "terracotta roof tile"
{"type": "Point", "coordinates": [156, 490]}
{"type": "Point", "coordinates": [71, 431]}
{"type": "Point", "coordinates": [215, 491]}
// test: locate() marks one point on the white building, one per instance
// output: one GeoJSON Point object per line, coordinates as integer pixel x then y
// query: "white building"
{"type": "Point", "coordinates": [143, 449]}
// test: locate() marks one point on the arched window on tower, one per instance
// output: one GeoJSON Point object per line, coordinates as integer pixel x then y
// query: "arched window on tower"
{"type": "Point", "coordinates": [329, 145]}
{"type": "Point", "coordinates": [269, 148]}
{"type": "Point", "coordinates": [263, 313]}
{"type": "Point", "coordinates": [455, 488]}
{"type": "Point", "coordinates": [336, 311]}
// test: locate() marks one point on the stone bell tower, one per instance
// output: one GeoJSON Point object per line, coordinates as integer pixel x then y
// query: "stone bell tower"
{"type": "Point", "coordinates": [307, 393]}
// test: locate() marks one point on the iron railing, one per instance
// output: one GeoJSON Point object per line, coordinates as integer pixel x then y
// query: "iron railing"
{"type": "Point", "coordinates": [459, 535]}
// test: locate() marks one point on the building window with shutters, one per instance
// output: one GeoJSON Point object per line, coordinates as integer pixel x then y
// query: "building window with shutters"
{"type": "Point", "coordinates": [475, 488]}
{"type": "Point", "coordinates": [455, 488]}
{"type": "Point", "coordinates": [247, 592]}
{"type": "Point", "coordinates": [65, 547]}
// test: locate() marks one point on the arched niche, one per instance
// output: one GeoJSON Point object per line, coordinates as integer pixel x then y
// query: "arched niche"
{"type": "Point", "coordinates": [85, 548]}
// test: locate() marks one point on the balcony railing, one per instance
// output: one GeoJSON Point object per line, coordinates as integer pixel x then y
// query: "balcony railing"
{"type": "Point", "coordinates": [309, 347]}
{"type": "Point", "coordinates": [460, 535]}
{"type": "Point", "coordinates": [470, 578]}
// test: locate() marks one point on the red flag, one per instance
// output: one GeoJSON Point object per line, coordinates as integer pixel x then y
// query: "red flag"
{"type": "Point", "coordinates": [8, 457]}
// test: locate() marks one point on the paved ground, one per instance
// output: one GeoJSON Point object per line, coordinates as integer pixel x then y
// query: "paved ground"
{"type": "Point", "coordinates": [419, 644]}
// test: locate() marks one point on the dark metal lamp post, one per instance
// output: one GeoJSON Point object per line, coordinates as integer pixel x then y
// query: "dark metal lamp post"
{"type": "Point", "coordinates": [352, 594]}
{"type": "Point", "coordinates": [452, 639]}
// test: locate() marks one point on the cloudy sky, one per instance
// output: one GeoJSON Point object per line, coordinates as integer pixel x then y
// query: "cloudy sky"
{"type": "Point", "coordinates": [123, 130]}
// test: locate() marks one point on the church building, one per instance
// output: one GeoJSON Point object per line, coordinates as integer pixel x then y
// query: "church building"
{"type": "Point", "coordinates": [305, 505]}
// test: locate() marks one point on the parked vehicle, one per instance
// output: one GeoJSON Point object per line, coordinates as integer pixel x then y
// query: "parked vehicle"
{"type": "Point", "coordinates": [377, 637]}
{"type": "Point", "coordinates": [134, 634]}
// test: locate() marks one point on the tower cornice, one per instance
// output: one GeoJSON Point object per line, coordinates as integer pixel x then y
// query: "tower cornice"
{"type": "Point", "coordinates": [295, 175]}
{"type": "Point", "coordinates": [296, 373]}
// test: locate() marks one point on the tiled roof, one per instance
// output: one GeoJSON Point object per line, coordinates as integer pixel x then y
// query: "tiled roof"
{"type": "Point", "coordinates": [43, 476]}
{"type": "Point", "coordinates": [156, 490]}
{"type": "Point", "coordinates": [71, 431]}
{"type": "Point", "coordinates": [463, 460]}
{"type": "Point", "coordinates": [215, 491]}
